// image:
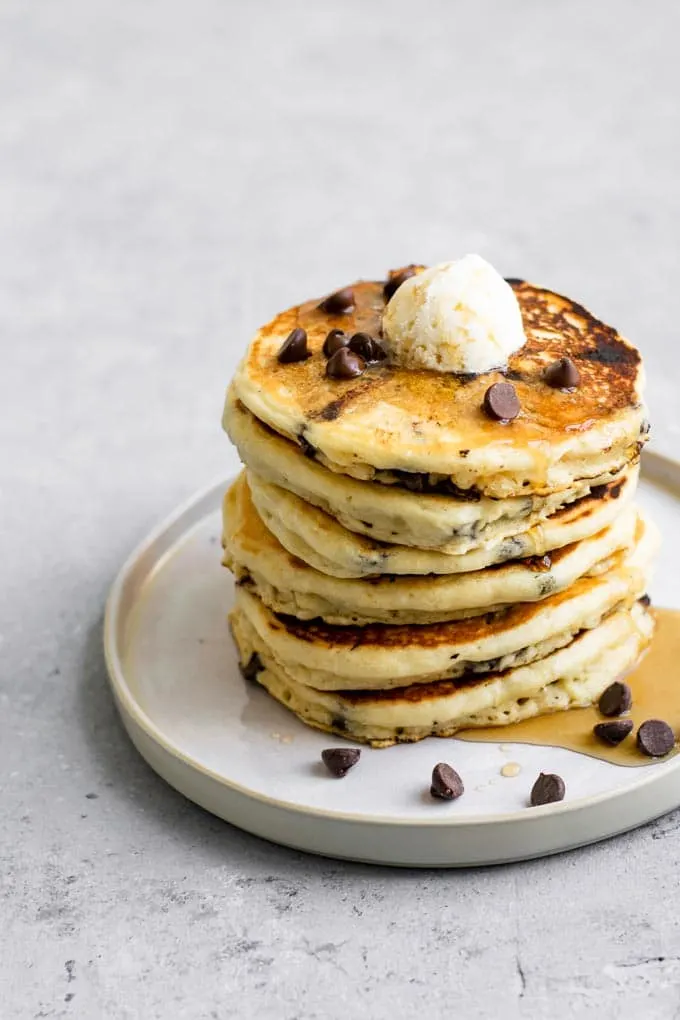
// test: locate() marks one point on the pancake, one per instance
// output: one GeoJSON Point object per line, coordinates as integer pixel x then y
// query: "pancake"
{"type": "Point", "coordinates": [380, 656]}
{"type": "Point", "coordinates": [572, 677]}
{"type": "Point", "coordinates": [393, 513]}
{"type": "Point", "coordinates": [289, 586]}
{"type": "Point", "coordinates": [318, 539]}
{"type": "Point", "coordinates": [394, 425]}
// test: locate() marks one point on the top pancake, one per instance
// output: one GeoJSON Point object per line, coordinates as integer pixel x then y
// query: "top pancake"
{"type": "Point", "coordinates": [393, 420]}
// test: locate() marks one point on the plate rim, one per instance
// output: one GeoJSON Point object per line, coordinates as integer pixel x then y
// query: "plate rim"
{"type": "Point", "coordinates": [657, 466]}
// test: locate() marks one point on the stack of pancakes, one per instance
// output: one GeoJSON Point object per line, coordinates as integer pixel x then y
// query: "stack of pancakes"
{"type": "Point", "coordinates": [407, 565]}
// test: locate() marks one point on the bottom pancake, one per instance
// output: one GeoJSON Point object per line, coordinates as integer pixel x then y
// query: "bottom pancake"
{"type": "Point", "coordinates": [572, 677]}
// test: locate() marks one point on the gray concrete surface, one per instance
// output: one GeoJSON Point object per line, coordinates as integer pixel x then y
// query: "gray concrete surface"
{"type": "Point", "coordinates": [170, 175]}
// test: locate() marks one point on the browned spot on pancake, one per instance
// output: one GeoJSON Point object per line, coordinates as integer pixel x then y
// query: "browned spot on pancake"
{"type": "Point", "coordinates": [598, 493]}
{"type": "Point", "coordinates": [295, 562]}
{"type": "Point", "coordinates": [334, 409]}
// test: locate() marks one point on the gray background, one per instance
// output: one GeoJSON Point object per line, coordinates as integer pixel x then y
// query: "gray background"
{"type": "Point", "coordinates": [171, 174]}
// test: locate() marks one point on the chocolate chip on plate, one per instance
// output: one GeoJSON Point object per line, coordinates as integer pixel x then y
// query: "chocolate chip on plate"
{"type": "Point", "coordinates": [395, 278]}
{"type": "Point", "coordinates": [294, 347]}
{"type": "Point", "coordinates": [501, 401]}
{"type": "Point", "coordinates": [616, 699]}
{"type": "Point", "coordinates": [655, 738]}
{"type": "Point", "coordinates": [345, 364]}
{"type": "Point", "coordinates": [370, 349]}
{"type": "Point", "coordinates": [547, 789]}
{"type": "Point", "coordinates": [339, 760]}
{"type": "Point", "coordinates": [562, 374]}
{"type": "Point", "coordinates": [338, 302]}
{"type": "Point", "coordinates": [613, 733]}
{"type": "Point", "coordinates": [335, 339]}
{"type": "Point", "coordinates": [446, 783]}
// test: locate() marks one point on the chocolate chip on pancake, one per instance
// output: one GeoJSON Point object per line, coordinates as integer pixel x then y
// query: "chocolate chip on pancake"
{"type": "Point", "coordinates": [539, 563]}
{"type": "Point", "coordinates": [446, 783]}
{"type": "Point", "coordinates": [307, 448]}
{"type": "Point", "coordinates": [547, 789]}
{"type": "Point", "coordinates": [339, 760]}
{"type": "Point", "coordinates": [370, 349]}
{"type": "Point", "coordinates": [616, 699]}
{"type": "Point", "coordinates": [345, 364]}
{"type": "Point", "coordinates": [501, 402]}
{"type": "Point", "coordinates": [294, 347]}
{"type": "Point", "coordinates": [395, 278]}
{"type": "Point", "coordinates": [252, 667]}
{"type": "Point", "coordinates": [562, 375]}
{"type": "Point", "coordinates": [613, 733]}
{"type": "Point", "coordinates": [339, 302]}
{"type": "Point", "coordinates": [655, 738]}
{"type": "Point", "coordinates": [335, 339]}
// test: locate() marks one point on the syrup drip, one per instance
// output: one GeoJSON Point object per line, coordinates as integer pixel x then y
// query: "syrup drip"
{"type": "Point", "coordinates": [656, 695]}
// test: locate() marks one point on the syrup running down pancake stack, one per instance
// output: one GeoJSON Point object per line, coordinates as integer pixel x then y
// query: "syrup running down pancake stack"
{"type": "Point", "coordinates": [418, 551]}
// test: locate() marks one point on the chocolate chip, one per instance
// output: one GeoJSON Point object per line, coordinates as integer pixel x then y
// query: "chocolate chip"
{"type": "Point", "coordinates": [306, 447]}
{"type": "Point", "coordinates": [547, 789]}
{"type": "Point", "coordinates": [252, 667]}
{"type": "Point", "coordinates": [370, 349]}
{"type": "Point", "coordinates": [345, 364]}
{"type": "Point", "coordinates": [613, 733]}
{"type": "Point", "coordinates": [616, 699]}
{"type": "Point", "coordinates": [562, 375]}
{"type": "Point", "coordinates": [338, 302]}
{"type": "Point", "coordinates": [336, 339]}
{"type": "Point", "coordinates": [539, 563]}
{"type": "Point", "coordinates": [395, 278]}
{"type": "Point", "coordinates": [645, 601]}
{"type": "Point", "coordinates": [446, 783]}
{"type": "Point", "coordinates": [339, 760]}
{"type": "Point", "coordinates": [294, 347]}
{"type": "Point", "coordinates": [655, 738]}
{"type": "Point", "coordinates": [501, 402]}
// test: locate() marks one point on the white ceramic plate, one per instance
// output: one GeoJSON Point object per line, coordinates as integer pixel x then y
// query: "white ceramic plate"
{"type": "Point", "coordinates": [232, 749]}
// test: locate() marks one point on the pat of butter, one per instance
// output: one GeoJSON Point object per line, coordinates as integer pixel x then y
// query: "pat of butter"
{"type": "Point", "coordinates": [458, 317]}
